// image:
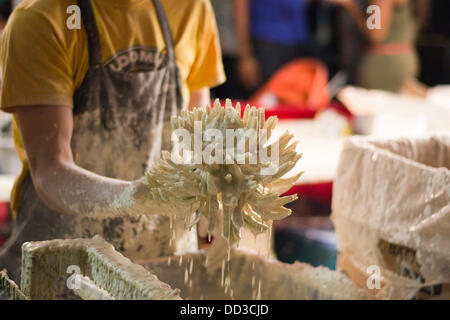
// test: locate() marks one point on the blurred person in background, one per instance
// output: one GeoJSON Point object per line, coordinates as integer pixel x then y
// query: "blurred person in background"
{"type": "Point", "coordinates": [270, 33]}
{"type": "Point", "coordinates": [350, 42]}
{"type": "Point", "coordinates": [232, 88]}
{"type": "Point", "coordinates": [390, 61]}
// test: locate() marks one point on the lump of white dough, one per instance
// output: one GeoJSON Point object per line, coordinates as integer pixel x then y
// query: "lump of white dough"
{"type": "Point", "coordinates": [248, 196]}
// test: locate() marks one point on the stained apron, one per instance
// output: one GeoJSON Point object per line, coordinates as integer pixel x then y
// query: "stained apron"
{"type": "Point", "coordinates": [121, 123]}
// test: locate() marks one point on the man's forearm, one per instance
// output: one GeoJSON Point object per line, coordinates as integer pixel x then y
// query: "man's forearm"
{"type": "Point", "coordinates": [67, 188]}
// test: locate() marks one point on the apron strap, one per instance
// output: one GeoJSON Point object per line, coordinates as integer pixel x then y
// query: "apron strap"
{"type": "Point", "coordinates": [94, 49]}
{"type": "Point", "coordinates": [165, 28]}
{"type": "Point", "coordinates": [87, 15]}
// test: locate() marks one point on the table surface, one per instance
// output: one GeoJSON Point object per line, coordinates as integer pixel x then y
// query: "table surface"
{"type": "Point", "coordinates": [320, 152]}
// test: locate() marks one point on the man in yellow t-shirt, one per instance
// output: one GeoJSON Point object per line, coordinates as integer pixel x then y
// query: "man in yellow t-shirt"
{"type": "Point", "coordinates": [92, 102]}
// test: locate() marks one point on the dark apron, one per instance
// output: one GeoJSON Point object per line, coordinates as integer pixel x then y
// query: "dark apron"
{"type": "Point", "coordinates": [121, 123]}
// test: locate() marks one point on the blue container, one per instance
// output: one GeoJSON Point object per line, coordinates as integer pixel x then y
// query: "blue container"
{"type": "Point", "coordinates": [314, 246]}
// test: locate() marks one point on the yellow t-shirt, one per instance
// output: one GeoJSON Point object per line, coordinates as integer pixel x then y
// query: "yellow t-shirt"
{"type": "Point", "coordinates": [44, 62]}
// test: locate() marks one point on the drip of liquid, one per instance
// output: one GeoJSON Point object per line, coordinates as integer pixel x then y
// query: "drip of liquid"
{"type": "Point", "coordinates": [258, 297]}
{"type": "Point", "coordinates": [227, 283]}
{"type": "Point", "coordinates": [173, 231]}
{"type": "Point", "coordinates": [173, 236]}
{"type": "Point", "coordinates": [186, 276]}
{"type": "Point", "coordinates": [269, 241]}
{"type": "Point", "coordinates": [222, 279]}
{"type": "Point", "coordinates": [191, 266]}
{"type": "Point", "coordinates": [254, 292]}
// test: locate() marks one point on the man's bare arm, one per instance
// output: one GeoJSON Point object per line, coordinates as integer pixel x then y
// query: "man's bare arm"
{"type": "Point", "coordinates": [199, 98]}
{"type": "Point", "coordinates": [47, 131]}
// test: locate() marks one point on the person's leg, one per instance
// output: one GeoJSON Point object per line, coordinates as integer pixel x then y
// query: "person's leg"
{"type": "Point", "coordinates": [272, 56]}
{"type": "Point", "coordinates": [231, 88]}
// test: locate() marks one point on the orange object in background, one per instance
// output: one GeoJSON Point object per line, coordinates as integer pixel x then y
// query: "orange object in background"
{"type": "Point", "coordinates": [302, 82]}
